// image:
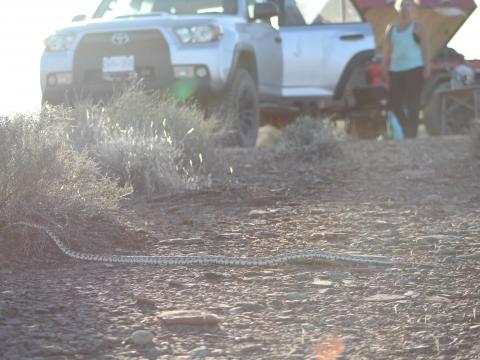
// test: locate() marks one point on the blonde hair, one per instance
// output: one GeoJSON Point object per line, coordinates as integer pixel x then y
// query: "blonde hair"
{"type": "Point", "coordinates": [398, 4]}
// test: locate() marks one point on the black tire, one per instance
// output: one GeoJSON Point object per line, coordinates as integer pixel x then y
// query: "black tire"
{"type": "Point", "coordinates": [432, 112]}
{"type": "Point", "coordinates": [239, 106]}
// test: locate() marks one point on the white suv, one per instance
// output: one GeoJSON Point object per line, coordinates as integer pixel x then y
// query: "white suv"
{"type": "Point", "coordinates": [241, 55]}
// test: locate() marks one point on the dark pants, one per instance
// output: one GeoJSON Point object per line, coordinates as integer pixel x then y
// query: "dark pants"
{"type": "Point", "coordinates": [405, 90]}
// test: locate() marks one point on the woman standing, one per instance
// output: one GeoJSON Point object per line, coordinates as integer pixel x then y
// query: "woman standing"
{"type": "Point", "coordinates": [406, 63]}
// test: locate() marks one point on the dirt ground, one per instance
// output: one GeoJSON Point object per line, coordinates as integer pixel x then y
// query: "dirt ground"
{"type": "Point", "coordinates": [414, 201]}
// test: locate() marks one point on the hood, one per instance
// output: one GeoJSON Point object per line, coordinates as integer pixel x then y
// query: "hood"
{"type": "Point", "coordinates": [442, 18]}
{"type": "Point", "coordinates": [141, 22]}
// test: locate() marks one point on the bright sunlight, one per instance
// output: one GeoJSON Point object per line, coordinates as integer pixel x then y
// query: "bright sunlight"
{"type": "Point", "coordinates": [25, 24]}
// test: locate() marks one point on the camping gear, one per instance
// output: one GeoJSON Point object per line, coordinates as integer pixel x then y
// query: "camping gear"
{"type": "Point", "coordinates": [394, 128]}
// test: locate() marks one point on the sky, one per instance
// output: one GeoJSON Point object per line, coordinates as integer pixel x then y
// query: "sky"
{"type": "Point", "coordinates": [24, 24]}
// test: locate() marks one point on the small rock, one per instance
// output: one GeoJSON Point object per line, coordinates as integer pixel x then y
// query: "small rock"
{"type": "Point", "coordinates": [187, 221]}
{"type": "Point", "coordinates": [265, 234]}
{"type": "Point", "coordinates": [317, 211]}
{"type": "Point", "coordinates": [322, 283]}
{"type": "Point", "coordinates": [142, 337]}
{"type": "Point", "coordinates": [257, 213]}
{"type": "Point", "coordinates": [436, 298]}
{"type": "Point", "coordinates": [419, 347]}
{"type": "Point", "coordinates": [382, 224]}
{"type": "Point", "coordinates": [156, 351]}
{"type": "Point", "coordinates": [189, 317]}
{"type": "Point", "coordinates": [247, 307]}
{"type": "Point", "coordinates": [324, 291]}
{"type": "Point", "coordinates": [143, 301]}
{"type": "Point", "coordinates": [111, 339]}
{"type": "Point", "coordinates": [200, 352]}
{"type": "Point", "coordinates": [295, 296]}
{"type": "Point", "coordinates": [263, 273]}
{"type": "Point", "coordinates": [176, 284]}
{"type": "Point", "coordinates": [251, 348]}
{"type": "Point", "coordinates": [385, 297]}
{"type": "Point", "coordinates": [328, 236]}
{"type": "Point", "coordinates": [214, 276]}
{"type": "Point", "coordinates": [260, 213]}
{"type": "Point", "coordinates": [182, 242]}
{"type": "Point", "coordinates": [55, 350]}
{"type": "Point", "coordinates": [412, 294]}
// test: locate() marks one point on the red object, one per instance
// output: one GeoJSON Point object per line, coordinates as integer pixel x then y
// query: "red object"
{"type": "Point", "coordinates": [364, 5]}
{"type": "Point", "coordinates": [374, 74]}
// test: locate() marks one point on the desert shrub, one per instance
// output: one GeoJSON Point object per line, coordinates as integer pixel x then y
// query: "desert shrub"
{"type": "Point", "coordinates": [475, 135]}
{"type": "Point", "coordinates": [42, 178]}
{"type": "Point", "coordinates": [310, 135]}
{"type": "Point", "coordinates": [150, 141]}
{"type": "Point", "coordinates": [149, 164]}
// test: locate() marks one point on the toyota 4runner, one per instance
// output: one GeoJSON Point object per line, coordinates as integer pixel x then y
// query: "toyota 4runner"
{"type": "Point", "coordinates": [252, 58]}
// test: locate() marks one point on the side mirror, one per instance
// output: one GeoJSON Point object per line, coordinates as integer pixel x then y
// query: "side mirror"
{"type": "Point", "coordinates": [78, 18]}
{"type": "Point", "coordinates": [265, 11]}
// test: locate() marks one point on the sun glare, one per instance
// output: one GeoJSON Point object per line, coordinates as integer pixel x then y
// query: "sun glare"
{"type": "Point", "coordinates": [24, 24]}
{"type": "Point", "coordinates": [23, 27]}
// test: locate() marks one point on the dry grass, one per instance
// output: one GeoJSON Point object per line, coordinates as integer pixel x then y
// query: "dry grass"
{"type": "Point", "coordinates": [151, 142]}
{"type": "Point", "coordinates": [309, 135]}
{"type": "Point", "coordinates": [72, 165]}
{"type": "Point", "coordinates": [43, 180]}
{"type": "Point", "coordinates": [38, 163]}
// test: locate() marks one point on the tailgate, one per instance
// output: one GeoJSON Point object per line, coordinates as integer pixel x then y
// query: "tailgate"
{"type": "Point", "coordinates": [442, 18]}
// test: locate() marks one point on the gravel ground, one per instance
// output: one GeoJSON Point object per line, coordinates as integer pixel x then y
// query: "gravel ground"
{"type": "Point", "coordinates": [414, 201]}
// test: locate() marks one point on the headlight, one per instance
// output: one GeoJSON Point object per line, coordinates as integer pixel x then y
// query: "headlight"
{"type": "Point", "coordinates": [59, 42]}
{"type": "Point", "coordinates": [198, 33]}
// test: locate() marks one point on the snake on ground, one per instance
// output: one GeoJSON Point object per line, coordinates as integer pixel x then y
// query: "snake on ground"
{"type": "Point", "coordinates": [306, 255]}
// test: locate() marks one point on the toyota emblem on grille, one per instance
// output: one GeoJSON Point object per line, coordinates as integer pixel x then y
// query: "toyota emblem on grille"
{"type": "Point", "coordinates": [120, 39]}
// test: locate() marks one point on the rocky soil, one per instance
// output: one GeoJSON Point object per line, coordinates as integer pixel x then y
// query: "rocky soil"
{"type": "Point", "coordinates": [414, 201]}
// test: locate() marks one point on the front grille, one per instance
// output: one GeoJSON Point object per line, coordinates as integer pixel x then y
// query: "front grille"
{"type": "Point", "coordinates": [151, 52]}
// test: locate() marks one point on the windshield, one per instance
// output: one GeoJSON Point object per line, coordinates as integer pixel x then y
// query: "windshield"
{"type": "Point", "coordinates": [128, 8]}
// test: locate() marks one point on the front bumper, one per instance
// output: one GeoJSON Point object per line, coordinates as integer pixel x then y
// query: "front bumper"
{"type": "Point", "coordinates": [184, 88]}
{"type": "Point", "coordinates": [152, 65]}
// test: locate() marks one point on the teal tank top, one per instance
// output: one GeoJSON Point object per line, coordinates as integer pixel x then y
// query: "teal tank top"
{"type": "Point", "coordinates": [406, 53]}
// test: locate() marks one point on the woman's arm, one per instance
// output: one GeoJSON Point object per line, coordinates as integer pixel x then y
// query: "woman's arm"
{"type": "Point", "coordinates": [387, 51]}
{"type": "Point", "coordinates": [421, 32]}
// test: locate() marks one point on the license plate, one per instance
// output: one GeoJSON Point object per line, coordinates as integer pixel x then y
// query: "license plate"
{"type": "Point", "coordinates": [112, 64]}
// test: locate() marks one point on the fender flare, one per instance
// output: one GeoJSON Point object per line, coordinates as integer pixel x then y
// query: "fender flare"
{"type": "Point", "coordinates": [355, 61]}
